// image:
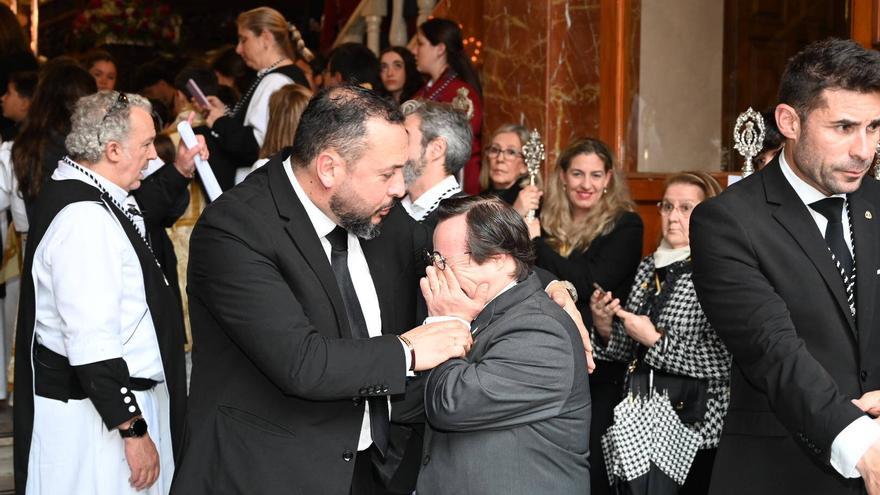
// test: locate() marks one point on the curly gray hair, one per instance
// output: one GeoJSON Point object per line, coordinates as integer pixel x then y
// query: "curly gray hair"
{"type": "Point", "coordinates": [96, 120]}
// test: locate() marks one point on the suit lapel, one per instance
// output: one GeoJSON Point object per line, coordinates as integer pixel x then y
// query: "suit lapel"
{"type": "Point", "coordinates": [304, 237]}
{"type": "Point", "coordinates": [865, 241]}
{"type": "Point", "coordinates": [792, 214]}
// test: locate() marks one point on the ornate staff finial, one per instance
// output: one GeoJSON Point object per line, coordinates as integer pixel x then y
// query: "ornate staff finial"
{"type": "Point", "coordinates": [748, 137]}
{"type": "Point", "coordinates": [877, 162]}
{"type": "Point", "coordinates": [533, 155]}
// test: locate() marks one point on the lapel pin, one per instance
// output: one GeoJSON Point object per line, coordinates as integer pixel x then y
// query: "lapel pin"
{"type": "Point", "coordinates": [868, 215]}
{"type": "Point", "coordinates": [878, 272]}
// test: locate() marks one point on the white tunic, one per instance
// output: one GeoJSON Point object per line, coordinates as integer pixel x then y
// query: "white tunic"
{"type": "Point", "coordinates": [91, 306]}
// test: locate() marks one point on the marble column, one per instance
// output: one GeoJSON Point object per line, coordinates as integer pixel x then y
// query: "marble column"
{"type": "Point", "coordinates": [541, 64]}
{"type": "Point", "coordinates": [542, 68]}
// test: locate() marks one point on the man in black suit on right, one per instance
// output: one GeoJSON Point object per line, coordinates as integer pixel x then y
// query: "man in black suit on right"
{"type": "Point", "coordinates": [786, 265]}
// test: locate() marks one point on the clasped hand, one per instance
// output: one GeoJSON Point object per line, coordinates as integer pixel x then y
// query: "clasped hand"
{"type": "Point", "coordinates": [638, 327]}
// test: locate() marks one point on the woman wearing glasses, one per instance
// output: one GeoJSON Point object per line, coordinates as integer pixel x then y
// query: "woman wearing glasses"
{"type": "Point", "coordinates": [589, 233]}
{"type": "Point", "coordinates": [663, 328]}
{"type": "Point", "coordinates": [504, 172]}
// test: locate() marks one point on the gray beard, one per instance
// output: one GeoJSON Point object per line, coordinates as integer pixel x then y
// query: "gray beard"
{"type": "Point", "coordinates": [412, 170]}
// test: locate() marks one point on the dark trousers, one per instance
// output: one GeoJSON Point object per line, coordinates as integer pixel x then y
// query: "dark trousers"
{"type": "Point", "coordinates": [700, 474]}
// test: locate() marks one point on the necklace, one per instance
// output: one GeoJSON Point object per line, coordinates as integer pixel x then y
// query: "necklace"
{"type": "Point", "coordinates": [247, 96]}
{"type": "Point", "coordinates": [105, 195]}
{"type": "Point", "coordinates": [435, 91]}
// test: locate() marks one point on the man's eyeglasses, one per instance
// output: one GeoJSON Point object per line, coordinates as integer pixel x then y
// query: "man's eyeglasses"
{"type": "Point", "coordinates": [121, 103]}
{"type": "Point", "coordinates": [434, 259]}
{"type": "Point", "coordinates": [510, 154]}
{"type": "Point", "coordinates": [666, 208]}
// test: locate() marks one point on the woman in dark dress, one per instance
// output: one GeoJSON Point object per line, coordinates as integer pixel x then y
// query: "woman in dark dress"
{"type": "Point", "coordinates": [589, 233]}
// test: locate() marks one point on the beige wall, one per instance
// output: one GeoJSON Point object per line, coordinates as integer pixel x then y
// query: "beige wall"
{"type": "Point", "coordinates": [679, 106]}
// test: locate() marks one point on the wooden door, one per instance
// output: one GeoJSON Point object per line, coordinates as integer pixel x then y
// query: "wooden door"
{"type": "Point", "coordinates": [759, 37]}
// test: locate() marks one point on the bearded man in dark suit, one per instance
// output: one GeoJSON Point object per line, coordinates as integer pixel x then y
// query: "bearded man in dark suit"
{"type": "Point", "coordinates": [298, 306]}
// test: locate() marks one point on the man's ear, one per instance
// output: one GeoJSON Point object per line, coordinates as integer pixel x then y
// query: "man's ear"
{"type": "Point", "coordinates": [329, 168]}
{"type": "Point", "coordinates": [436, 149]}
{"type": "Point", "coordinates": [788, 121]}
{"type": "Point", "coordinates": [113, 151]}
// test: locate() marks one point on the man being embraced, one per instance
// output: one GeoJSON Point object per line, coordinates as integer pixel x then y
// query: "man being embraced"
{"type": "Point", "coordinates": [513, 415]}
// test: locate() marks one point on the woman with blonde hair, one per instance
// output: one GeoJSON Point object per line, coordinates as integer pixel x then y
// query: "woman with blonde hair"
{"type": "Point", "coordinates": [269, 45]}
{"type": "Point", "coordinates": [285, 108]}
{"type": "Point", "coordinates": [504, 173]}
{"type": "Point", "coordinates": [589, 233]}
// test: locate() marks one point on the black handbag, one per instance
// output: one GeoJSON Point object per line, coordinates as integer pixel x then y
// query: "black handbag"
{"type": "Point", "coordinates": [689, 396]}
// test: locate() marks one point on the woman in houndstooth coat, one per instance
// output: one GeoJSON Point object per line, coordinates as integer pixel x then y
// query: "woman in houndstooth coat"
{"type": "Point", "coordinates": [663, 325]}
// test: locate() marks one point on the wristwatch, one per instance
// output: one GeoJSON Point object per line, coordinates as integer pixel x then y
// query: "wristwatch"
{"type": "Point", "coordinates": [136, 429]}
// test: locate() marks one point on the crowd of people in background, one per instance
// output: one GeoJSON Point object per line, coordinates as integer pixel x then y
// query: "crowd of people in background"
{"type": "Point", "coordinates": [562, 253]}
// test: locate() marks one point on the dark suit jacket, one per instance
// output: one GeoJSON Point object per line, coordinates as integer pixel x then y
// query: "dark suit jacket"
{"type": "Point", "coordinates": [766, 281]}
{"type": "Point", "coordinates": [277, 381]}
{"type": "Point", "coordinates": [514, 416]}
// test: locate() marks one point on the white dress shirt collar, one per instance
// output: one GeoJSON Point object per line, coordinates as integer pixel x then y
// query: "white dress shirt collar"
{"type": "Point", "coordinates": [431, 198]}
{"type": "Point", "coordinates": [806, 192]}
{"type": "Point", "coordinates": [322, 223]}
{"type": "Point", "coordinates": [66, 171]}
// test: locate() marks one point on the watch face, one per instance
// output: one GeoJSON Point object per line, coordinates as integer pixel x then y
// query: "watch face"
{"type": "Point", "coordinates": [139, 427]}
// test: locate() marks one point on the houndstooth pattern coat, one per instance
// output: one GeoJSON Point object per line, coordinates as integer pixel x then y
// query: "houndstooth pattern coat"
{"type": "Point", "coordinates": [689, 347]}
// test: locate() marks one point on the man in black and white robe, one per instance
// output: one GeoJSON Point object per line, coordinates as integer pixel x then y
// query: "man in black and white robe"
{"type": "Point", "coordinates": [100, 335]}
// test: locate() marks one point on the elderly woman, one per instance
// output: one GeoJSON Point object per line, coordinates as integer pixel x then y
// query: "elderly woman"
{"type": "Point", "coordinates": [664, 328]}
{"type": "Point", "coordinates": [504, 173]}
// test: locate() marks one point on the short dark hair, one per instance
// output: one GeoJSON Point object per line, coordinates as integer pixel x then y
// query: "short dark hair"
{"type": "Point", "coordinates": [829, 64]}
{"type": "Point", "coordinates": [493, 228]}
{"type": "Point", "coordinates": [203, 76]}
{"type": "Point", "coordinates": [356, 63]}
{"type": "Point", "coordinates": [96, 55]}
{"type": "Point", "coordinates": [25, 82]}
{"type": "Point", "coordinates": [336, 119]}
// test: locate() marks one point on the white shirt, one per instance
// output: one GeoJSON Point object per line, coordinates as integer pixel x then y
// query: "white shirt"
{"type": "Point", "coordinates": [850, 444]}
{"type": "Point", "coordinates": [360, 277]}
{"type": "Point", "coordinates": [89, 287]}
{"type": "Point", "coordinates": [10, 197]}
{"type": "Point", "coordinates": [430, 199]}
{"type": "Point", "coordinates": [257, 115]}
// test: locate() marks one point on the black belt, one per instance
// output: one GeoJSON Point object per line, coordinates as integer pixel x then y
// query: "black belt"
{"type": "Point", "coordinates": [54, 377]}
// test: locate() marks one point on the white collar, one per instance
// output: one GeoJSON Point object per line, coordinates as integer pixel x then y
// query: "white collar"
{"type": "Point", "coordinates": [431, 198]}
{"type": "Point", "coordinates": [807, 193]}
{"type": "Point", "coordinates": [320, 221]}
{"type": "Point", "coordinates": [66, 171]}
{"type": "Point", "coordinates": [666, 255]}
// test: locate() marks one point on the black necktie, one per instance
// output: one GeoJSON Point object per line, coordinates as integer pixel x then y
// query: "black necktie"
{"type": "Point", "coordinates": [379, 424]}
{"type": "Point", "coordinates": [831, 209]}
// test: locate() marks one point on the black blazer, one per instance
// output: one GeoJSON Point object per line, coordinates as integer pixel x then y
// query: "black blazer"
{"type": "Point", "coordinates": [277, 381]}
{"type": "Point", "coordinates": [766, 281]}
{"type": "Point", "coordinates": [611, 261]}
